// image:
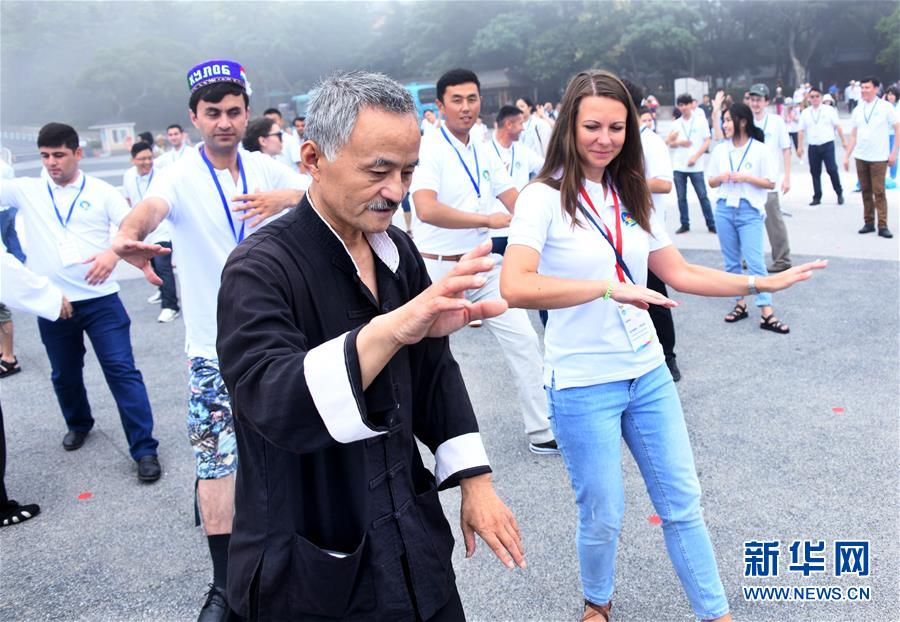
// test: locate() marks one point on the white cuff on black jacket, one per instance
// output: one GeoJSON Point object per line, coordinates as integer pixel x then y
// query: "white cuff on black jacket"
{"type": "Point", "coordinates": [328, 380]}
{"type": "Point", "coordinates": [459, 454]}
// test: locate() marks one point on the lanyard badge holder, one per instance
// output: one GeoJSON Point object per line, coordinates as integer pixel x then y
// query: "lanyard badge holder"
{"type": "Point", "coordinates": [238, 237]}
{"type": "Point", "coordinates": [67, 249]}
{"type": "Point", "coordinates": [474, 205]}
{"type": "Point", "coordinates": [636, 322]}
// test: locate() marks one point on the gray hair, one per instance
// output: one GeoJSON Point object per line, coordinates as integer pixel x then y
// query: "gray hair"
{"type": "Point", "coordinates": [334, 108]}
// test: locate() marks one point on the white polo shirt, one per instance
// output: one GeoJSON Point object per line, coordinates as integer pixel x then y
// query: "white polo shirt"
{"type": "Point", "coordinates": [94, 211]}
{"type": "Point", "coordinates": [777, 139]}
{"type": "Point", "coordinates": [202, 234]}
{"type": "Point", "coordinates": [696, 130]}
{"type": "Point", "coordinates": [657, 165]}
{"type": "Point", "coordinates": [872, 122]}
{"type": "Point", "coordinates": [819, 124]}
{"type": "Point", "coordinates": [135, 187]}
{"type": "Point", "coordinates": [521, 163]}
{"type": "Point", "coordinates": [536, 135]}
{"type": "Point", "coordinates": [441, 170]}
{"type": "Point", "coordinates": [170, 157]}
{"type": "Point", "coordinates": [757, 162]}
{"type": "Point", "coordinates": [587, 344]}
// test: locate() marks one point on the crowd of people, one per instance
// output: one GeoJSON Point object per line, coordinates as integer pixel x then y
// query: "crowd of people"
{"type": "Point", "coordinates": [317, 334]}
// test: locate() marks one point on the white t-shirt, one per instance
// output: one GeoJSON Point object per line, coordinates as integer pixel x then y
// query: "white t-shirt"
{"type": "Point", "coordinates": [290, 151]}
{"type": "Point", "coordinates": [696, 130]}
{"type": "Point", "coordinates": [872, 121]}
{"type": "Point", "coordinates": [169, 157]}
{"type": "Point", "coordinates": [657, 165]}
{"type": "Point", "coordinates": [758, 163]}
{"type": "Point", "coordinates": [819, 124]}
{"type": "Point", "coordinates": [536, 135]}
{"type": "Point", "coordinates": [202, 235]}
{"type": "Point", "coordinates": [429, 128]}
{"type": "Point", "coordinates": [479, 132]}
{"type": "Point", "coordinates": [96, 209]}
{"type": "Point", "coordinates": [440, 170]}
{"type": "Point", "coordinates": [521, 163]}
{"type": "Point", "coordinates": [135, 187]}
{"type": "Point", "coordinates": [777, 139]}
{"type": "Point", "coordinates": [587, 344]}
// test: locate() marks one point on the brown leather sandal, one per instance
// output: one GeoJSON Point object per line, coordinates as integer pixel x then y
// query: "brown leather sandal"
{"type": "Point", "coordinates": [596, 613]}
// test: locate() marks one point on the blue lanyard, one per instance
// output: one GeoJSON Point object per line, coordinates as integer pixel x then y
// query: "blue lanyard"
{"type": "Point", "coordinates": [71, 207]}
{"type": "Point", "coordinates": [868, 117]}
{"type": "Point", "coordinates": [137, 182]}
{"type": "Point", "coordinates": [238, 237]}
{"type": "Point", "coordinates": [731, 162]}
{"type": "Point", "coordinates": [463, 162]}
{"type": "Point", "coordinates": [512, 150]}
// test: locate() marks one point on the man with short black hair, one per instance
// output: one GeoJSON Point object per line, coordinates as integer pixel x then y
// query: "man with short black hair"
{"type": "Point", "coordinates": [290, 146]}
{"type": "Point", "coordinates": [67, 217]}
{"type": "Point", "coordinates": [299, 124]}
{"type": "Point", "coordinates": [536, 131]}
{"type": "Point", "coordinates": [196, 196]}
{"type": "Point", "coordinates": [176, 136]}
{"type": "Point", "coordinates": [454, 188]}
{"type": "Point", "coordinates": [688, 140]}
{"type": "Point", "coordinates": [818, 123]}
{"type": "Point", "coordinates": [778, 143]}
{"type": "Point", "coordinates": [870, 146]}
{"type": "Point", "coordinates": [521, 162]}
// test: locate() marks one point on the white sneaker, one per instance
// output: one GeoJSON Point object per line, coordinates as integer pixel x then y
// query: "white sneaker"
{"type": "Point", "coordinates": [167, 315]}
{"type": "Point", "coordinates": [155, 298]}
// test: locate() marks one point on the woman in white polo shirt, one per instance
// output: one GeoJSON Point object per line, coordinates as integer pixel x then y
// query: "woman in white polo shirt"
{"type": "Point", "coordinates": [743, 173]}
{"type": "Point", "coordinates": [604, 369]}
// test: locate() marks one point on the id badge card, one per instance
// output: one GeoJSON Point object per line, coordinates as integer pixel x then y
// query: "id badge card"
{"type": "Point", "coordinates": [733, 197]}
{"type": "Point", "coordinates": [68, 253]}
{"type": "Point", "coordinates": [637, 326]}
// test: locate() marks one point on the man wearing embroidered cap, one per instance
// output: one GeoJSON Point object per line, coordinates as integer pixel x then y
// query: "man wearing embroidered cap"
{"type": "Point", "coordinates": [199, 196]}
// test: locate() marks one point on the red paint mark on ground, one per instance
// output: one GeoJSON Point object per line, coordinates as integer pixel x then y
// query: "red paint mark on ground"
{"type": "Point", "coordinates": [655, 520]}
{"type": "Point", "coordinates": [837, 410]}
{"type": "Point", "coordinates": [84, 495]}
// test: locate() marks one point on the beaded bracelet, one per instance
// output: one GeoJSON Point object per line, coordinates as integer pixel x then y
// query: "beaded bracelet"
{"type": "Point", "coordinates": [609, 288]}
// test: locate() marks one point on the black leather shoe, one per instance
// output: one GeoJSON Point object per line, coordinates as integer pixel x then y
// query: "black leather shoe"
{"type": "Point", "coordinates": [840, 199]}
{"type": "Point", "coordinates": [148, 469]}
{"type": "Point", "coordinates": [815, 202]}
{"type": "Point", "coordinates": [867, 228]}
{"type": "Point", "coordinates": [73, 440]}
{"type": "Point", "coordinates": [215, 609]}
{"type": "Point", "coordinates": [673, 369]}
{"type": "Point", "coordinates": [683, 229]}
{"type": "Point", "coordinates": [885, 232]}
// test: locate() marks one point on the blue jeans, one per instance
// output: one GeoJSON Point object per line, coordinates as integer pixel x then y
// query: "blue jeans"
{"type": "Point", "coordinates": [699, 185]}
{"type": "Point", "coordinates": [107, 325]}
{"type": "Point", "coordinates": [741, 234]}
{"type": "Point", "coordinates": [589, 424]}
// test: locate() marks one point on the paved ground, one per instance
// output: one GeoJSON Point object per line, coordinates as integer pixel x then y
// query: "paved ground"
{"type": "Point", "coordinates": [794, 437]}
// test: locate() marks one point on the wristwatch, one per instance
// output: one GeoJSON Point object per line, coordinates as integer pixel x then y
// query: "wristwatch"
{"type": "Point", "coordinates": [751, 285]}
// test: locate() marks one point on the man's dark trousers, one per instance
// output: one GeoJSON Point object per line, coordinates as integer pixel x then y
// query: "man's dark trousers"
{"type": "Point", "coordinates": [107, 325]}
{"type": "Point", "coordinates": [162, 265]}
{"type": "Point", "coordinates": [681, 178]}
{"type": "Point", "coordinates": [817, 155]}
{"type": "Point", "coordinates": [662, 317]}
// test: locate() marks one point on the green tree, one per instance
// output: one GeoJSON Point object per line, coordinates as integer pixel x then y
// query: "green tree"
{"type": "Point", "coordinates": [889, 30]}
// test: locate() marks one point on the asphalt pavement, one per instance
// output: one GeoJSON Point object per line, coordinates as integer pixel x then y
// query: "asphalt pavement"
{"type": "Point", "coordinates": [795, 438]}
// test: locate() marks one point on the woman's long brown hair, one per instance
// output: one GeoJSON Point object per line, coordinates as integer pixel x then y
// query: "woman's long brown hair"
{"type": "Point", "coordinates": [626, 170]}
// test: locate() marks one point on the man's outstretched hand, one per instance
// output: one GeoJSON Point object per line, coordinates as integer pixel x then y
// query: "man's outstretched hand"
{"type": "Point", "coordinates": [139, 254]}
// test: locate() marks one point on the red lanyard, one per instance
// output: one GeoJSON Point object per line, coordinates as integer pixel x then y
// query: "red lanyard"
{"type": "Point", "coordinates": [618, 238]}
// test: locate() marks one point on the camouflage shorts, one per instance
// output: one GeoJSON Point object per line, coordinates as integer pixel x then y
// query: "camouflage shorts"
{"type": "Point", "coordinates": [210, 427]}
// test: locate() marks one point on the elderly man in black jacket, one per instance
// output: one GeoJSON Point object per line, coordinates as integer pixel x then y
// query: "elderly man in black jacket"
{"type": "Point", "coordinates": [333, 344]}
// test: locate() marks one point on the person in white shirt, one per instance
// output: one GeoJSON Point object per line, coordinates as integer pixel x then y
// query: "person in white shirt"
{"type": "Point", "coordinates": [453, 188]}
{"type": "Point", "coordinates": [290, 149]}
{"type": "Point", "coordinates": [535, 131]}
{"type": "Point", "coordinates": [197, 196]}
{"type": "Point", "coordinates": [580, 244]}
{"type": "Point", "coordinates": [67, 218]}
{"type": "Point", "coordinates": [870, 145]}
{"type": "Point", "coordinates": [688, 140]}
{"type": "Point", "coordinates": [479, 131]}
{"type": "Point", "coordinates": [778, 143]}
{"type": "Point", "coordinates": [743, 171]}
{"type": "Point", "coordinates": [817, 126]}
{"type": "Point", "coordinates": [177, 138]}
{"type": "Point", "coordinates": [299, 124]}
{"type": "Point", "coordinates": [9, 363]}
{"type": "Point", "coordinates": [430, 122]}
{"type": "Point", "coordinates": [521, 163]}
{"type": "Point", "coordinates": [136, 181]}
{"type": "Point", "coordinates": [264, 135]}
{"type": "Point", "coordinates": [658, 173]}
